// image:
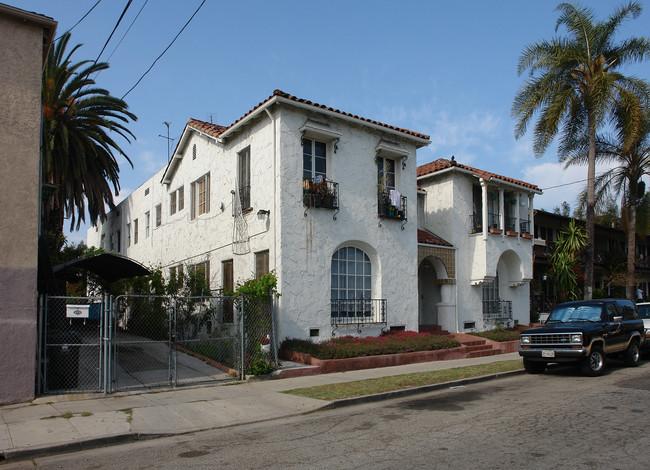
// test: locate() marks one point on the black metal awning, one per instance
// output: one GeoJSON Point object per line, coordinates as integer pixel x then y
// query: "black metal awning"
{"type": "Point", "coordinates": [109, 266]}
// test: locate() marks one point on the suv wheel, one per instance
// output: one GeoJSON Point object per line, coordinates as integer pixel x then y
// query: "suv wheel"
{"type": "Point", "coordinates": [594, 364]}
{"type": "Point", "coordinates": [533, 367]}
{"type": "Point", "coordinates": [632, 354]}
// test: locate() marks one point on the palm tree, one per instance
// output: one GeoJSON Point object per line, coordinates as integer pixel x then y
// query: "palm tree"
{"type": "Point", "coordinates": [78, 152]}
{"type": "Point", "coordinates": [574, 86]}
{"type": "Point", "coordinates": [571, 242]}
{"type": "Point", "coordinates": [632, 162]}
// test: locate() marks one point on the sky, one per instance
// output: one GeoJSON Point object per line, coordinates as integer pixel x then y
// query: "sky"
{"type": "Point", "coordinates": [446, 69]}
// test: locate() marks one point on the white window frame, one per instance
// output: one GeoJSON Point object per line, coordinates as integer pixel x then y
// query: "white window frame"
{"type": "Point", "coordinates": [147, 219]}
{"type": "Point", "coordinates": [309, 171]}
{"type": "Point", "coordinates": [158, 215]}
{"type": "Point", "coordinates": [201, 196]}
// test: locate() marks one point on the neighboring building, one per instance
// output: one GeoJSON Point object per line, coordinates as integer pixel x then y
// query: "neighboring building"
{"type": "Point", "coordinates": [475, 247]}
{"type": "Point", "coordinates": [315, 194]}
{"type": "Point", "coordinates": [24, 41]}
{"type": "Point", "coordinates": [610, 251]}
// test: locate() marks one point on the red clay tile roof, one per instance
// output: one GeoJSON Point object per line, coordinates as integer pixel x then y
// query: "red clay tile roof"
{"type": "Point", "coordinates": [377, 123]}
{"type": "Point", "coordinates": [216, 130]}
{"type": "Point", "coordinates": [211, 129]}
{"type": "Point", "coordinates": [424, 236]}
{"type": "Point", "coordinates": [442, 164]}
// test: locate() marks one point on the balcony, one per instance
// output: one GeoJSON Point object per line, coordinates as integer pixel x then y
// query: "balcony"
{"type": "Point", "coordinates": [358, 312]}
{"type": "Point", "coordinates": [476, 223]}
{"type": "Point", "coordinates": [323, 193]}
{"type": "Point", "coordinates": [387, 209]}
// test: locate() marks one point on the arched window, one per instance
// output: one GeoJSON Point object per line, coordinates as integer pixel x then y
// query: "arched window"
{"type": "Point", "coordinates": [351, 281]}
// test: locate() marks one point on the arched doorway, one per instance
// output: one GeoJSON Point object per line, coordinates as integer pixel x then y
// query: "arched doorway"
{"type": "Point", "coordinates": [428, 293]}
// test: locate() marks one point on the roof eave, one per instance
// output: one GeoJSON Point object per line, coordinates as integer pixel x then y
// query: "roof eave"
{"type": "Point", "coordinates": [419, 142]}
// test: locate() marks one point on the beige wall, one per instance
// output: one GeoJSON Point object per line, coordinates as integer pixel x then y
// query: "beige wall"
{"type": "Point", "coordinates": [21, 56]}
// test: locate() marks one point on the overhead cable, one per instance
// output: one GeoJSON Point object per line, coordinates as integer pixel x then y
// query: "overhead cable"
{"type": "Point", "coordinates": [163, 52]}
{"type": "Point", "coordinates": [82, 18]}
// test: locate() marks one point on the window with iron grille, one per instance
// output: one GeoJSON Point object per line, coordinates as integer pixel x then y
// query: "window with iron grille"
{"type": "Point", "coordinates": [244, 174]}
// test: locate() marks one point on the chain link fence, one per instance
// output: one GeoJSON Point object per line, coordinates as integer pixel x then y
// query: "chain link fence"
{"type": "Point", "coordinates": [135, 342]}
{"type": "Point", "coordinates": [258, 332]}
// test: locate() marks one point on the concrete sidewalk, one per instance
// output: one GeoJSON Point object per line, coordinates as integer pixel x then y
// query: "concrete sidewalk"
{"type": "Point", "coordinates": [62, 423]}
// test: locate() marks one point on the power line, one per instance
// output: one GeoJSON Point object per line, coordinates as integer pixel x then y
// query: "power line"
{"type": "Point", "coordinates": [127, 31]}
{"type": "Point", "coordinates": [82, 18]}
{"type": "Point", "coordinates": [163, 52]}
{"type": "Point", "coordinates": [565, 184]}
{"type": "Point", "coordinates": [128, 4]}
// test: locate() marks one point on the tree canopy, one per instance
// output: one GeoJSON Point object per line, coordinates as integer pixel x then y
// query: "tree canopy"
{"type": "Point", "coordinates": [79, 153]}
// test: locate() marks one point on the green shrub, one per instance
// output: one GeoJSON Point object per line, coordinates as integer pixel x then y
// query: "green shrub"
{"type": "Point", "coordinates": [499, 334]}
{"type": "Point", "coordinates": [349, 346]}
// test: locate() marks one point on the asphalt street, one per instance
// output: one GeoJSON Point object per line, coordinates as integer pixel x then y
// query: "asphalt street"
{"type": "Point", "coordinates": [556, 420]}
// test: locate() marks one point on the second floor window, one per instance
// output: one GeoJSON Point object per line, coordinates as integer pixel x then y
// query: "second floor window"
{"type": "Point", "coordinates": [147, 219]}
{"type": "Point", "coordinates": [158, 215]}
{"type": "Point", "coordinates": [244, 177]}
{"type": "Point", "coordinates": [314, 159]}
{"type": "Point", "coordinates": [201, 196]}
{"type": "Point", "coordinates": [135, 232]}
{"type": "Point", "coordinates": [386, 173]}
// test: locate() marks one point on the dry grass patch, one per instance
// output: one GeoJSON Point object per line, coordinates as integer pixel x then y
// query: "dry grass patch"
{"type": "Point", "coordinates": [361, 388]}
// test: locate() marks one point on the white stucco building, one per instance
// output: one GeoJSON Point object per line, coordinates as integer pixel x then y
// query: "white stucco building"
{"type": "Point", "coordinates": [475, 247]}
{"type": "Point", "coordinates": [325, 198]}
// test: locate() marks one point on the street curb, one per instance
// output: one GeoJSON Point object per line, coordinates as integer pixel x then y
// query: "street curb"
{"type": "Point", "coordinates": [33, 452]}
{"type": "Point", "coordinates": [417, 390]}
{"type": "Point", "coordinates": [40, 451]}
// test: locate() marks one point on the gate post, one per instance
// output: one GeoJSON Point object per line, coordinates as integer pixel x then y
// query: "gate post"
{"type": "Point", "coordinates": [242, 340]}
{"type": "Point", "coordinates": [171, 338]}
{"type": "Point", "coordinates": [41, 343]}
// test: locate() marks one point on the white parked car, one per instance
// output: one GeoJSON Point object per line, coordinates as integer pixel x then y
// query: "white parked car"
{"type": "Point", "coordinates": [644, 313]}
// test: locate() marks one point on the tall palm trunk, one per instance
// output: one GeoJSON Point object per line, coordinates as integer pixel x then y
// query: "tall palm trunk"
{"type": "Point", "coordinates": [631, 245]}
{"type": "Point", "coordinates": [591, 198]}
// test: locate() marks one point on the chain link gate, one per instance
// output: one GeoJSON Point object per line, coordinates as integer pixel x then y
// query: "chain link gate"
{"type": "Point", "coordinates": [71, 352]}
{"type": "Point", "coordinates": [94, 344]}
{"type": "Point", "coordinates": [168, 341]}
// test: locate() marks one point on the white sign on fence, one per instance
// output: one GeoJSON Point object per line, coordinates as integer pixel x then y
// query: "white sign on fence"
{"type": "Point", "coordinates": [77, 311]}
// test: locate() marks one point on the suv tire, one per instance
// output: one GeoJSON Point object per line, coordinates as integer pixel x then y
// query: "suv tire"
{"type": "Point", "coordinates": [632, 354]}
{"type": "Point", "coordinates": [594, 364]}
{"type": "Point", "coordinates": [534, 367]}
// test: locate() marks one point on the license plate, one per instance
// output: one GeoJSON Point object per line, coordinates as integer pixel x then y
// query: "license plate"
{"type": "Point", "coordinates": [548, 353]}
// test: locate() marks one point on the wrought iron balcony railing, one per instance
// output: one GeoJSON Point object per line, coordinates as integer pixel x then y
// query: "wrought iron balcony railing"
{"type": "Point", "coordinates": [476, 223]}
{"type": "Point", "coordinates": [524, 226]}
{"type": "Point", "coordinates": [358, 312]}
{"type": "Point", "coordinates": [493, 220]}
{"type": "Point", "coordinates": [324, 193]}
{"type": "Point", "coordinates": [510, 223]}
{"type": "Point", "coordinates": [386, 208]}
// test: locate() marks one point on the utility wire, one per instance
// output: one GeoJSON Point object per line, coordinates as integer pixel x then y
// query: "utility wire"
{"type": "Point", "coordinates": [565, 184]}
{"type": "Point", "coordinates": [127, 31]}
{"type": "Point", "coordinates": [82, 18]}
{"type": "Point", "coordinates": [163, 52]}
{"type": "Point", "coordinates": [128, 4]}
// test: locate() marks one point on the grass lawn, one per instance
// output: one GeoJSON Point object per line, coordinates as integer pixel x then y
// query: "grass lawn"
{"type": "Point", "coordinates": [399, 382]}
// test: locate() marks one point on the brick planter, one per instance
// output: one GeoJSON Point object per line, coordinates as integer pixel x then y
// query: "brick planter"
{"type": "Point", "coordinates": [327, 366]}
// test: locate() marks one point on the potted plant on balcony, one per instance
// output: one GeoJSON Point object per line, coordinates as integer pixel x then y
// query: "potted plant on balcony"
{"type": "Point", "coordinates": [324, 196]}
